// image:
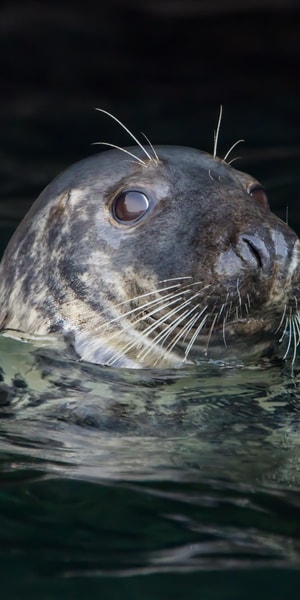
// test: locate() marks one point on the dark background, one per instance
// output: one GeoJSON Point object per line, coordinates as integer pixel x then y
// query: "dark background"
{"type": "Point", "coordinates": [163, 67]}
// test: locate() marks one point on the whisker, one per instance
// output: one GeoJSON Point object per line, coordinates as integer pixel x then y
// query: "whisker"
{"type": "Point", "coordinates": [184, 330]}
{"type": "Point", "coordinates": [290, 340]}
{"type": "Point", "coordinates": [296, 342]}
{"type": "Point", "coordinates": [296, 303]}
{"type": "Point", "coordinates": [233, 160]}
{"type": "Point", "coordinates": [183, 290]}
{"type": "Point", "coordinates": [162, 335]}
{"type": "Point", "coordinates": [238, 292]}
{"type": "Point", "coordinates": [155, 291]}
{"type": "Point", "coordinates": [281, 321]}
{"type": "Point", "coordinates": [127, 130]}
{"type": "Point", "coordinates": [155, 155]}
{"type": "Point", "coordinates": [216, 133]}
{"type": "Point", "coordinates": [160, 304]}
{"type": "Point", "coordinates": [137, 308]}
{"type": "Point", "coordinates": [136, 158]}
{"type": "Point", "coordinates": [219, 316]}
{"type": "Point", "coordinates": [223, 328]}
{"type": "Point", "coordinates": [132, 344]}
{"type": "Point", "coordinates": [222, 308]}
{"type": "Point", "coordinates": [191, 324]}
{"type": "Point", "coordinates": [284, 331]}
{"type": "Point", "coordinates": [175, 279]}
{"type": "Point", "coordinates": [195, 335]}
{"type": "Point", "coordinates": [210, 333]}
{"type": "Point", "coordinates": [297, 322]}
{"type": "Point", "coordinates": [230, 150]}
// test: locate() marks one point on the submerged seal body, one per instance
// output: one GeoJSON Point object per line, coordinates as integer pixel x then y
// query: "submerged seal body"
{"type": "Point", "coordinates": [154, 261]}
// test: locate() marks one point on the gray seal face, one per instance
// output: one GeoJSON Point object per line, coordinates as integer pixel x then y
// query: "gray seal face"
{"type": "Point", "coordinates": [154, 262]}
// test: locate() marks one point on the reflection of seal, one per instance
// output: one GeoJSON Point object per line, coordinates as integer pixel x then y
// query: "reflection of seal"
{"type": "Point", "coordinates": [154, 260]}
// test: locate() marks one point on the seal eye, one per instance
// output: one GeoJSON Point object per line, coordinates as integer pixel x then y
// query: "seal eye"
{"type": "Point", "coordinates": [258, 193]}
{"type": "Point", "coordinates": [130, 206]}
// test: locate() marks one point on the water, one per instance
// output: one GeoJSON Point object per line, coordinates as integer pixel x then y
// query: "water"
{"type": "Point", "coordinates": [146, 483]}
{"type": "Point", "coordinates": [151, 484]}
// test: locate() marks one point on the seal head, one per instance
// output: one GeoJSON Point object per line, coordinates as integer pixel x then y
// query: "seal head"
{"type": "Point", "coordinates": [154, 262]}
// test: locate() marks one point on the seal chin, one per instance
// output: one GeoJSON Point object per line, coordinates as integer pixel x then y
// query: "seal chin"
{"type": "Point", "coordinates": [156, 262]}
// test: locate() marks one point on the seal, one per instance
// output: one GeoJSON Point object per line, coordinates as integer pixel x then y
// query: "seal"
{"type": "Point", "coordinates": [154, 258]}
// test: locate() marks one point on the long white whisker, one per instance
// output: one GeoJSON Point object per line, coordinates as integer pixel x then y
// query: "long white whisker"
{"type": "Point", "coordinates": [136, 158]}
{"type": "Point", "coordinates": [174, 279]}
{"type": "Point", "coordinates": [155, 291]}
{"type": "Point", "coordinates": [284, 331]}
{"type": "Point", "coordinates": [238, 293]}
{"type": "Point", "coordinates": [281, 321]}
{"type": "Point", "coordinates": [143, 306]}
{"type": "Point", "coordinates": [232, 147]}
{"type": "Point", "coordinates": [296, 336]}
{"type": "Point", "coordinates": [131, 344]}
{"type": "Point", "coordinates": [210, 332]}
{"type": "Point", "coordinates": [296, 319]}
{"type": "Point", "coordinates": [187, 328]}
{"type": "Point", "coordinates": [182, 332]}
{"type": "Point", "coordinates": [224, 328]}
{"type": "Point", "coordinates": [160, 304]}
{"type": "Point", "coordinates": [296, 303]}
{"type": "Point", "coordinates": [290, 340]}
{"type": "Point", "coordinates": [195, 335]}
{"type": "Point", "coordinates": [224, 320]}
{"type": "Point", "coordinates": [165, 334]}
{"type": "Point", "coordinates": [296, 342]}
{"type": "Point", "coordinates": [172, 296]}
{"type": "Point", "coordinates": [127, 130]}
{"type": "Point", "coordinates": [221, 309]}
{"type": "Point", "coordinates": [216, 134]}
{"type": "Point", "coordinates": [233, 160]}
{"type": "Point", "coordinates": [155, 155]}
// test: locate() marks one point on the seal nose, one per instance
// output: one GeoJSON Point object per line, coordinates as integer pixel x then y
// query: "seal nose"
{"type": "Point", "coordinates": [255, 252]}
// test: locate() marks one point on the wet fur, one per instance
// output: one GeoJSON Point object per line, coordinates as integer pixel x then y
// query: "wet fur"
{"type": "Point", "coordinates": [177, 285]}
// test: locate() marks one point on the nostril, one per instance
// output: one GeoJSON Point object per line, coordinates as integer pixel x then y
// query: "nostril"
{"type": "Point", "coordinates": [257, 249]}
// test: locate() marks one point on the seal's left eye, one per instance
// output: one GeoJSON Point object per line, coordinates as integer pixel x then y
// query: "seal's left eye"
{"type": "Point", "coordinates": [130, 206]}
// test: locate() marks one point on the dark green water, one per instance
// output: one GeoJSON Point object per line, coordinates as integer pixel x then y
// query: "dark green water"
{"type": "Point", "coordinates": [153, 486]}
{"type": "Point", "coordinates": [192, 485]}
